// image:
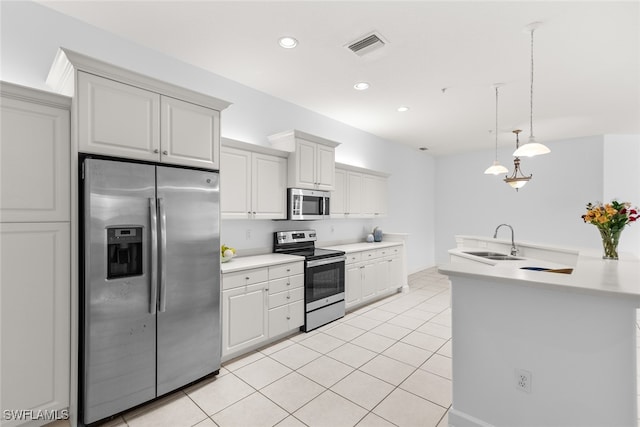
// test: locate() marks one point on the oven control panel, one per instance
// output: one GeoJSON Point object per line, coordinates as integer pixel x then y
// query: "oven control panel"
{"type": "Point", "coordinates": [283, 237]}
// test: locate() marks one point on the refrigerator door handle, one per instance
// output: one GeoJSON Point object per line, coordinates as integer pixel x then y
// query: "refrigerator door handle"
{"type": "Point", "coordinates": [153, 231]}
{"type": "Point", "coordinates": [163, 255]}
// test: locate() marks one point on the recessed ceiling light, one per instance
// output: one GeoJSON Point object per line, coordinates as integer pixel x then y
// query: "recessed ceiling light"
{"type": "Point", "coordinates": [403, 108]}
{"type": "Point", "coordinates": [288, 42]}
{"type": "Point", "coordinates": [361, 86]}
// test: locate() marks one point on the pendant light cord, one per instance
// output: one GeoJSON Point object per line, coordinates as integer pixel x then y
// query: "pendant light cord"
{"type": "Point", "coordinates": [531, 93]}
{"type": "Point", "coordinates": [496, 123]}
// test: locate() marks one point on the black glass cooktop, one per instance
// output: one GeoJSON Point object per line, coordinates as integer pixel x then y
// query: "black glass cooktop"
{"type": "Point", "coordinates": [315, 253]}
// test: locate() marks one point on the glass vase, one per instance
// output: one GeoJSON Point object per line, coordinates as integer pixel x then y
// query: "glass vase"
{"type": "Point", "coordinates": [610, 240]}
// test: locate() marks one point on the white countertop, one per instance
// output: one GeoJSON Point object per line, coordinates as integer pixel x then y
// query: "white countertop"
{"type": "Point", "coordinates": [257, 261]}
{"type": "Point", "coordinates": [265, 260]}
{"type": "Point", "coordinates": [591, 273]}
{"type": "Point", "coordinates": [362, 246]}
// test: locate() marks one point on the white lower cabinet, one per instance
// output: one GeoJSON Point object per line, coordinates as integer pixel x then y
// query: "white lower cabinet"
{"type": "Point", "coordinates": [372, 274]}
{"type": "Point", "coordinates": [244, 314]}
{"type": "Point", "coordinates": [259, 304]}
{"type": "Point", "coordinates": [35, 317]}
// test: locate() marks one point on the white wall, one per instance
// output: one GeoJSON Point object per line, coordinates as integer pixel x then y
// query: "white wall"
{"type": "Point", "coordinates": [549, 208]}
{"type": "Point", "coordinates": [31, 35]}
{"type": "Point", "coordinates": [622, 181]}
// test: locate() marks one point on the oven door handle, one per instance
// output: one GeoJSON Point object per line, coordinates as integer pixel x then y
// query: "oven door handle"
{"type": "Point", "coordinates": [325, 261]}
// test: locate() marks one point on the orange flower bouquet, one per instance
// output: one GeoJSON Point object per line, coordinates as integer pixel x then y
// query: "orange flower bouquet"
{"type": "Point", "coordinates": [610, 219]}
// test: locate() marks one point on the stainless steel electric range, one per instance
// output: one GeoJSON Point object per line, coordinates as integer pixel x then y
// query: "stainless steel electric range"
{"type": "Point", "coordinates": [323, 276]}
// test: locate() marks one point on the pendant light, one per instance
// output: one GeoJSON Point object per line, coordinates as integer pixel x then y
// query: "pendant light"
{"type": "Point", "coordinates": [531, 148]}
{"type": "Point", "coordinates": [496, 168]}
{"type": "Point", "coordinates": [517, 179]}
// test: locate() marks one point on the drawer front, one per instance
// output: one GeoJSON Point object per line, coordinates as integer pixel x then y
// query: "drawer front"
{"type": "Point", "coordinates": [286, 297]}
{"type": "Point", "coordinates": [368, 255]}
{"type": "Point", "coordinates": [244, 277]}
{"type": "Point", "coordinates": [353, 257]}
{"type": "Point", "coordinates": [284, 270]}
{"type": "Point", "coordinates": [286, 283]}
{"type": "Point", "coordinates": [384, 252]}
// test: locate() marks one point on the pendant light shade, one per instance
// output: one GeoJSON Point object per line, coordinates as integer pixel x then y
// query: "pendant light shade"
{"type": "Point", "coordinates": [531, 148]}
{"type": "Point", "coordinates": [517, 179]}
{"type": "Point", "coordinates": [496, 168]}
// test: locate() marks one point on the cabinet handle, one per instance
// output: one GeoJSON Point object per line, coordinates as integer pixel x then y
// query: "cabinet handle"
{"type": "Point", "coordinates": [288, 270]}
{"type": "Point", "coordinates": [288, 296]}
{"type": "Point", "coordinates": [266, 289]}
{"type": "Point", "coordinates": [288, 284]}
{"type": "Point", "coordinates": [389, 260]}
{"type": "Point", "coordinates": [247, 278]}
{"type": "Point", "coordinates": [288, 317]}
{"type": "Point", "coordinates": [165, 152]}
{"type": "Point", "coordinates": [156, 151]}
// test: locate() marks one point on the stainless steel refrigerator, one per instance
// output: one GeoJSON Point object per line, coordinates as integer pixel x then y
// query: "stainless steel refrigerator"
{"type": "Point", "coordinates": [150, 285]}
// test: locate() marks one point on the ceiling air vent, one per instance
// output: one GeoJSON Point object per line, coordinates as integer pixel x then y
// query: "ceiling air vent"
{"type": "Point", "coordinates": [366, 44]}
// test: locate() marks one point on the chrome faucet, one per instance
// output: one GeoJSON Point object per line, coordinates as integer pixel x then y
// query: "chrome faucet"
{"type": "Point", "coordinates": [514, 250]}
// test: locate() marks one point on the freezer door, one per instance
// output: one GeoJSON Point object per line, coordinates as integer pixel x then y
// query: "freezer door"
{"type": "Point", "coordinates": [189, 339]}
{"type": "Point", "coordinates": [118, 326]}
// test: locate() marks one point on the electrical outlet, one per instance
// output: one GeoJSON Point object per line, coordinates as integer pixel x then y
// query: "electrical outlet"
{"type": "Point", "coordinates": [248, 234]}
{"type": "Point", "coordinates": [523, 380]}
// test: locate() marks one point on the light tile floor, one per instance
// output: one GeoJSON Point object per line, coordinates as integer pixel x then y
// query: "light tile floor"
{"type": "Point", "coordinates": [385, 364]}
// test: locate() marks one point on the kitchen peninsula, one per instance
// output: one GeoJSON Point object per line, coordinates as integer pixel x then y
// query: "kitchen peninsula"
{"type": "Point", "coordinates": [534, 347]}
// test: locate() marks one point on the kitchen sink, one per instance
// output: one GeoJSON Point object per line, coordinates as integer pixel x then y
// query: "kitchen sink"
{"type": "Point", "coordinates": [494, 256]}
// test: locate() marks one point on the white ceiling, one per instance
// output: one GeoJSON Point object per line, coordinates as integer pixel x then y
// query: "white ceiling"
{"type": "Point", "coordinates": [587, 61]}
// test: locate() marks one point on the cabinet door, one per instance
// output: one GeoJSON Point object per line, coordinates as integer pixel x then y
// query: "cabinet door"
{"type": "Point", "coordinates": [35, 315]}
{"type": "Point", "coordinates": [269, 186]}
{"type": "Point", "coordinates": [190, 134]}
{"type": "Point", "coordinates": [117, 119]}
{"type": "Point", "coordinates": [305, 166]}
{"type": "Point", "coordinates": [296, 314]}
{"type": "Point", "coordinates": [325, 167]}
{"type": "Point", "coordinates": [244, 317]}
{"type": "Point", "coordinates": [374, 190]}
{"type": "Point", "coordinates": [286, 318]}
{"type": "Point", "coordinates": [352, 284]}
{"type": "Point", "coordinates": [235, 183]}
{"type": "Point", "coordinates": [354, 203]}
{"type": "Point", "coordinates": [395, 272]}
{"type": "Point", "coordinates": [369, 280]}
{"type": "Point", "coordinates": [382, 192]}
{"type": "Point", "coordinates": [383, 275]}
{"type": "Point", "coordinates": [339, 195]}
{"type": "Point", "coordinates": [34, 162]}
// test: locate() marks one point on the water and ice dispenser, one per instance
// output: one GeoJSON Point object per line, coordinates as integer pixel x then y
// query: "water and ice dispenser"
{"type": "Point", "coordinates": [124, 252]}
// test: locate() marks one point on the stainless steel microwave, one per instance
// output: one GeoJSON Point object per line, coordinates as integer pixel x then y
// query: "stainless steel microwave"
{"type": "Point", "coordinates": [307, 204]}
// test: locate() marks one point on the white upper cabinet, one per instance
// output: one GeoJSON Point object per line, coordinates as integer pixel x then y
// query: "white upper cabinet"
{"type": "Point", "coordinates": [34, 159]}
{"type": "Point", "coordinates": [124, 114]}
{"type": "Point", "coordinates": [117, 119]}
{"type": "Point", "coordinates": [269, 186]}
{"type": "Point", "coordinates": [311, 159]}
{"type": "Point", "coordinates": [235, 183]}
{"type": "Point", "coordinates": [190, 134]}
{"type": "Point", "coordinates": [360, 193]}
{"type": "Point", "coordinates": [253, 184]}
{"type": "Point", "coordinates": [339, 195]}
{"type": "Point", "coordinates": [374, 190]}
